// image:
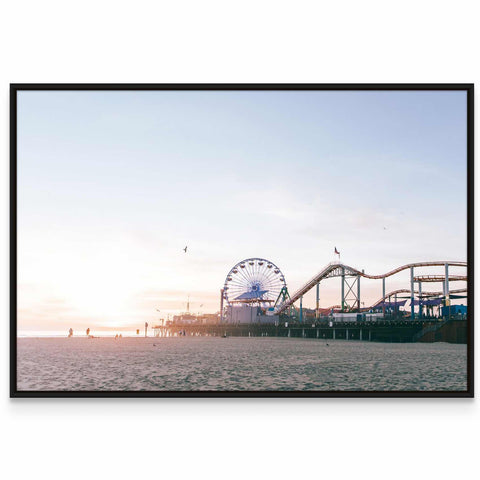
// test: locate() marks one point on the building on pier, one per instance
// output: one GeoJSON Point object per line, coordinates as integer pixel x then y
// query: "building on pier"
{"type": "Point", "coordinates": [246, 313]}
{"type": "Point", "coordinates": [459, 311]}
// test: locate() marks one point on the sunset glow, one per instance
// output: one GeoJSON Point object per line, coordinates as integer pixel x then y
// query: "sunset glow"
{"type": "Point", "coordinates": [113, 185]}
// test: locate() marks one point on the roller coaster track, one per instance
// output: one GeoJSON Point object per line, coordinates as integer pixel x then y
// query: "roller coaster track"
{"type": "Point", "coordinates": [337, 269]}
{"type": "Point", "coordinates": [402, 290]}
{"type": "Point", "coordinates": [439, 278]}
{"type": "Point", "coordinates": [424, 294]}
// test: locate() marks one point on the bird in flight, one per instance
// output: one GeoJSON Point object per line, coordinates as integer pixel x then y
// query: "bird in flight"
{"type": "Point", "coordinates": [185, 249]}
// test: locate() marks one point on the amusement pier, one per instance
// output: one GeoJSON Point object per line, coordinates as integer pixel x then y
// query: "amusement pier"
{"type": "Point", "coordinates": [255, 301]}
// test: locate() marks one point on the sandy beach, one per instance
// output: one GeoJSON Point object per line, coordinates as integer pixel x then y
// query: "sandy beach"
{"type": "Point", "coordinates": [212, 363]}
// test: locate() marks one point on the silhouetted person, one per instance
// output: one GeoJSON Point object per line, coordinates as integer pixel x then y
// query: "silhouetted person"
{"type": "Point", "coordinates": [88, 332]}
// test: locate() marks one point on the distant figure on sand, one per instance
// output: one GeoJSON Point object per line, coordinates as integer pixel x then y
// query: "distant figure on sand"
{"type": "Point", "coordinates": [88, 332]}
{"type": "Point", "coordinates": [70, 333]}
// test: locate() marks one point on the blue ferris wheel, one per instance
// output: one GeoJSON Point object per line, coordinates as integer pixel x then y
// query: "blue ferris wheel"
{"type": "Point", "coordinates": [254, 281]}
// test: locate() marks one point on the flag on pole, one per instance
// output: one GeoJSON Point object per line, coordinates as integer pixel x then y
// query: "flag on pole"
{"type": "Point", "coordinates": [336, 251]}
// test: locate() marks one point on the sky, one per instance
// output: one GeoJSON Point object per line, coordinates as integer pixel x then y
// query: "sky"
{"type": "Point", "coordinates": [113, 185]}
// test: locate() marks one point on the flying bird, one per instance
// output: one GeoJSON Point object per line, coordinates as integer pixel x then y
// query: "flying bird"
{"type": "Point", "coordinates": [185, 249]}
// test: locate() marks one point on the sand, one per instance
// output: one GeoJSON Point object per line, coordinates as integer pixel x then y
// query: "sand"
{"type": "Point", "coordinates": [213, 363]}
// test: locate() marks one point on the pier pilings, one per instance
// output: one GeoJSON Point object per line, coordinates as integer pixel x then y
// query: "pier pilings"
{"type": "Point", "coordinates": [380, 331]}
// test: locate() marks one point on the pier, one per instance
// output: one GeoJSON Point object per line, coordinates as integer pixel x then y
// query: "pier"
{"type": "Point", "coordinates": [255, 302]}
{"type": "Point", "coordinates": [428, 330]}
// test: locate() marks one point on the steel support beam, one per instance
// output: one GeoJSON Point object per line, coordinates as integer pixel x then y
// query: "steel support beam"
{"type": "Point", "coordinates": [358, 293]}
{"type": "Point", "coordinates": [412, 295]}
{"type": "Point", "coordinates": [447, 287]}
{"type": "Point", "coordinates": [343, 289]}
{"type": "Point", "coordinates": [420, 299]}
{"type": "Point", "coordinates": [383, 295]}
{"type": "Point", "coordinates": [350, 293]}
{"type": "Point", "coordinates": [317, 304]}
{"type": "Point", "coordinates": [301, 308]}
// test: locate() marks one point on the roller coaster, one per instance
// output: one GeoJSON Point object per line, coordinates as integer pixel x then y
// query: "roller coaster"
{"type": "Point", "coordinates": [416, 292]}
{"type": "Point", "coordinates": [351, 279]}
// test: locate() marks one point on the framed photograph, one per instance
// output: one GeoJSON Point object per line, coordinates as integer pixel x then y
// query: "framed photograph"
{"type": "Point", "coordinates": [250, 240]}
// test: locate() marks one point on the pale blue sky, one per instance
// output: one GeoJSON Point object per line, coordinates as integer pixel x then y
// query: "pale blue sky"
{"type": "Point", "coordinates": [112, 185]}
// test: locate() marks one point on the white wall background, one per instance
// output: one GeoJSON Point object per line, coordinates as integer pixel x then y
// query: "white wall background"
{"type": "Point", "coordinates": [218, 41]}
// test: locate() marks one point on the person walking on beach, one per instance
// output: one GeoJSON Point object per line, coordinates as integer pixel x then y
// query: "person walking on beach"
{"type": "Point", "coordinates": [70, 333]}
{"type": "Point", "coordinates": [88, 332]}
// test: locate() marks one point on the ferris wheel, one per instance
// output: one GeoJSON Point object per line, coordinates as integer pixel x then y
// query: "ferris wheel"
{"type": "Point", "coordinates": [254, 280]}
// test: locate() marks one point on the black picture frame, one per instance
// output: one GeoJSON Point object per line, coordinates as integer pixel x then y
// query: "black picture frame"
{"type": "Point", "coordinates": [15, 393]}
